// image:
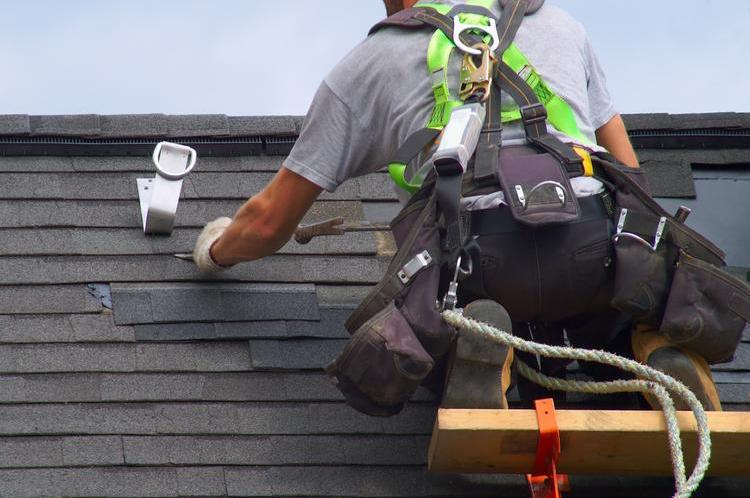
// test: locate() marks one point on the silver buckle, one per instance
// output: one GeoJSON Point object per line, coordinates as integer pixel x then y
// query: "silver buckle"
{"type": "Point", "coordinates": [413, 267]}
{"type": "Point", "coordinates": [159, 196]}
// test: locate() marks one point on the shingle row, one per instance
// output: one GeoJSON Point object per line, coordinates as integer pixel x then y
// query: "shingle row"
{"type": "Point", "coordinates": [198, 185]}
{"type": "Point", "coordinates": [148, 125]}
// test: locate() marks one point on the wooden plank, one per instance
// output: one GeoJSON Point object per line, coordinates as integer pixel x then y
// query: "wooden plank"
{"type": "Point", "coordinates": [593, 442]}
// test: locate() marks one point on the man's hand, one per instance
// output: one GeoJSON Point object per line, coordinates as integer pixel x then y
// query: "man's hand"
{"type": "Point", "coordinates": [202, 252]}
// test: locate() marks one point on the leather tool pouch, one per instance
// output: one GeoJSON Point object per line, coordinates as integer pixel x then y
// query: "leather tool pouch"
{"type": "Point", "coordinates": [398, 333]}
{"type": "Point", "coordinates": [383, 364]}
{"type": "Point", "coordinates": [707, 309]}
{"type": "Point", "coordinates": [536, 187]}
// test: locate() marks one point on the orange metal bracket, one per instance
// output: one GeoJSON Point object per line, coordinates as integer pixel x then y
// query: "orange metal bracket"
{"type": "Point", "coordinates": [545, 482]}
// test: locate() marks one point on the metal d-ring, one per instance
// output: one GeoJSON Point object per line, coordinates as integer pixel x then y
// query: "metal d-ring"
{"type": "Point", "coordinates": [558, 186]}
{"type": "Point", "coordinates": [459, 27]}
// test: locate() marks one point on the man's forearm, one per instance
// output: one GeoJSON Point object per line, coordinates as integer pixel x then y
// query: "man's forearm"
{"type": "Point", "coordinates": [267, 221]}
{"type": "Point", "coordinates": [614, 137]}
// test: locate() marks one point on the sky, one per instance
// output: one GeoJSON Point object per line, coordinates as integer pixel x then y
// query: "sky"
{"type": "Point", "coordinates": [254, 57]}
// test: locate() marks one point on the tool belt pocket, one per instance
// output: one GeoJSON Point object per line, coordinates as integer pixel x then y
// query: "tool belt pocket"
{"type": "Point", "coordinates": [382, 365]}
{"type": "Point", "coordinates": [643, 267]}
{"type": "Point", "coordinates": [707, 309]}
{"type": "Point", "coordinates": [537, 188]}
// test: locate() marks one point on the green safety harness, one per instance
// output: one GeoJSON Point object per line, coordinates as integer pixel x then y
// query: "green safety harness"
{"type": "Point", "coordinates": [474, 14]}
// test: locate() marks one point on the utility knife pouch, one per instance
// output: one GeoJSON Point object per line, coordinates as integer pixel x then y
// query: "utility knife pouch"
{"type": "Point", "coordinates": [536, 187]}
{"type": "Point", "coordinates": [707, 309]}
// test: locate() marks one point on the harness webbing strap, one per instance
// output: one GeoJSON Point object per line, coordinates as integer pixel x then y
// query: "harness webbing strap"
{"type": "Point", "coordinates": [534, 117]}
{"type": "Point", "coordinates": [487, 154]}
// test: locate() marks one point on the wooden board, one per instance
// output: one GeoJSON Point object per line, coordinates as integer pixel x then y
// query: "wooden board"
{"type": "Point", "coordinates": [593, 442]}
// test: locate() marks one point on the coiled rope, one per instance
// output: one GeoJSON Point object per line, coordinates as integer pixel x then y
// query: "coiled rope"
{"type": "Point", "coordinates": [651, 381]}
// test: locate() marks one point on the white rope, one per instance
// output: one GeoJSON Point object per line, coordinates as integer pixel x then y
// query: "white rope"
{"type": "Point", "coordinates": [653, 381]}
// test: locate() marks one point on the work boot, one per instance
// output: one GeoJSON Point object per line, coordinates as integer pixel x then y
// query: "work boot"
{"type": "Point", "coordinates": [656, 351]}
{"type": "Point", "coordinates": [479, 374]}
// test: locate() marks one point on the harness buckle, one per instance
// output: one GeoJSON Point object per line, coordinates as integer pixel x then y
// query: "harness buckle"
{"type": "Point", "coordinates": [477, 80]}
{"type": "Point", "coordinates": [459, 27]}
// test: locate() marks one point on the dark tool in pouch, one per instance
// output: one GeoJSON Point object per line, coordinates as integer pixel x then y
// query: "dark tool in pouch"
{"type": "Point", "coordinates": [666, 273]}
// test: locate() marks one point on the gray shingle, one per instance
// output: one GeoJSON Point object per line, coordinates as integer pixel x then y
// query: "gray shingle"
{"type": "Point", "coordinates": [163, 303]}
{"type": "Point", "coordinates": [96, 482]}
{"type": "Point", "coordinates": [670, 179]}
{"type": "Point", "coordinates": [365, 482]}
{"type": "Point", "coordinates": [198, 125]}
{"type": "Point", "coordinates": [50, 388]}
{"type": "Point", "coordinates": [265, 125]}
{"type": "Point", "coordinates": [134, 125]}
{"type": "Point", "coordinates": [329, 326]}
{"type": "Point", "coordinates": [741, 360]}
{"type": "Point", "coordinates": [70, 419]}
{"type": "Point", "coordinates": [294, 354]}
{"type": "Point", "coordinates": [78, 125]}
{"type": "Point", "coordinates": [198, 185]}
{"type": "Point", "coordinates": [46, 299]}
{"type": "Point", "coordinates": [93, 451]}
{"type": "Point", "coordinates": [276, 450]}
{"type": "Point", "coordinates": [62, 358]}
{"type": "Point", "coordinates": [14, 124]}
{"type": "Point", "coordinates": [37, 164]}
{"type": "Point", "coordinates": [142, 164]}
{"type": "Point", "coordinates": [199, 357]}
{"type": "Point", "coordinates": [62, 328]}
{"type": "Point", "coordinates": [86, 269]}
{"type": "Point", "coordinates": [116, 214]}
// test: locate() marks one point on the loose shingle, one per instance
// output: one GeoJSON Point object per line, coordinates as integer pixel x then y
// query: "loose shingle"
{"type": "Point", "coordinates": [164, 303]}
{"type": "Point", "coordinates": [78, 125]}
{"type": "Point", "coordinates": [330, 326]}
{"type": "Point", "coordinates": [276, 450]}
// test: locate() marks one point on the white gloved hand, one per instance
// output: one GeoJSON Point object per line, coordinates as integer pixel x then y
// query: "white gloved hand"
{"type": "Point", "coordinates": [202, 252]}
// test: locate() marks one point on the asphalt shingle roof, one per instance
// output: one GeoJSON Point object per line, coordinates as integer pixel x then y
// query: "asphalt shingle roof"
{"type": "Point", "coordinates": [213, 386]}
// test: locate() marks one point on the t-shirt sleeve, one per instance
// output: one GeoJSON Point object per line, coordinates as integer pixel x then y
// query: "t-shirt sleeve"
{"type": "Point", "coordinates": [600, 103]}
{"type": "Point", "coordinates": [333, 145]}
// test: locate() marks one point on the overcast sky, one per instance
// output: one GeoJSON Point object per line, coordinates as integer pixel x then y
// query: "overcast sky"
{"type": "Point", "coordinates": [253, 57]}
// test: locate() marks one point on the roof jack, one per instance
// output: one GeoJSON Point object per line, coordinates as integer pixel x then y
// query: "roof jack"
{"type": "Point", "coordinates": [160, 195]}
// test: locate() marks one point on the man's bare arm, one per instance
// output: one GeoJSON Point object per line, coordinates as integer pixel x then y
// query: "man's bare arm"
{"type": "Point", "coordinates": [614, 137]}
{"type": "Point", "coordinates": [267, 221]}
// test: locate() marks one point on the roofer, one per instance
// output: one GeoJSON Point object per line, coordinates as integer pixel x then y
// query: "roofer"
{"type": "Point", "coordinates": [530, 224]}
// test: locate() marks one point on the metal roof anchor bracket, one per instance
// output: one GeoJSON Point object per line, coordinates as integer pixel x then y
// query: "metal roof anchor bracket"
{"type": "Point", "coordinates": [160, 195]}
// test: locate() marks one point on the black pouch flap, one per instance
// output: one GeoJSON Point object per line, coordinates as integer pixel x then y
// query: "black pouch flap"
{"type": "Point", "coordinates": [536, 188]}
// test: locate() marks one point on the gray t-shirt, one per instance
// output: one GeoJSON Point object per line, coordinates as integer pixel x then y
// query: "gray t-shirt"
{"type": "Point", "coordinates": [380, 94]}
